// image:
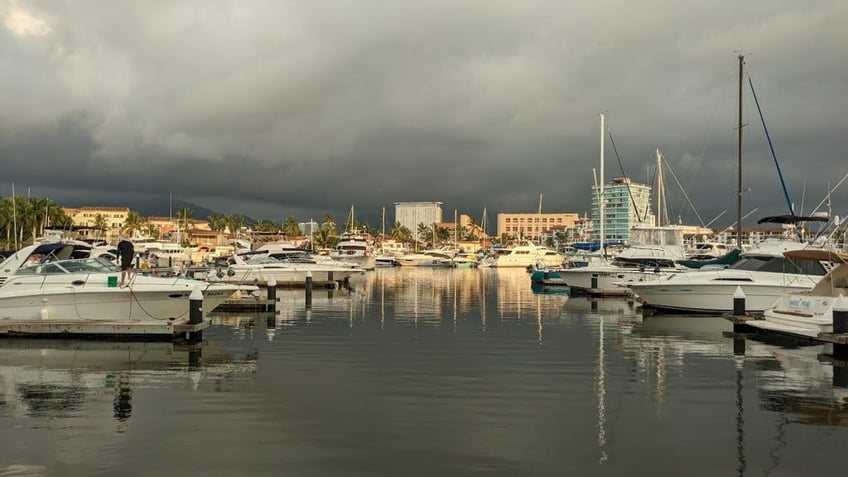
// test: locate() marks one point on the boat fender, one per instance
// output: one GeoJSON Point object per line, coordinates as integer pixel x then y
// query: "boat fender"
{"type": "Point", "coordinates": [231, 272]}
{"type": "Point", "coordinates": [220, 274]}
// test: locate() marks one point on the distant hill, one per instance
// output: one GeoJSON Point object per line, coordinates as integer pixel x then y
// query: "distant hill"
{"type": "Point", "coordinates": [160, 208]}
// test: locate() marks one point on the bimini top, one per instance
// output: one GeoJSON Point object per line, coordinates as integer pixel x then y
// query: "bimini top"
{"type": "Point", "coordinates": [791, 219]}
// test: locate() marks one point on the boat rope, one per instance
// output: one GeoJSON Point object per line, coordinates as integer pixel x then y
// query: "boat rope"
{"type": "Point", "coordinates": [685, 195]}
{"type": "Point", "coordinates": [771, 147]}
{"type": "Point", "coordinates": [621, 167]}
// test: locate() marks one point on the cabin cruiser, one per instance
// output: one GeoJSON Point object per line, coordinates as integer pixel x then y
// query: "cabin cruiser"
{"type": "Point", "coordinates": [260, 269]}
{"type": "Point", "coordinates": [63, 281]}
{"type": "Point", "coordinates": [355, 248]}
{"type": "Point", "coordinates": [652, 253]}
{"type": "Point", "coordinates": [764, 272]}
{"type": "Point", "coordinates": [527, 254]}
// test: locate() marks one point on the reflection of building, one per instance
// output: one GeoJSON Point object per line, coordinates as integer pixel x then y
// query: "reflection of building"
{"type": "Point", "coordinates": [410, 214]}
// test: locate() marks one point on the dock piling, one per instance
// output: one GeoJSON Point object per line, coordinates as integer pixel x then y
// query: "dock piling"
{"type": "Point", "coordinates": [840, 325]}
{"type": "Point", "coordinates": [195, 307]}
{"type": "Point", "coordinates": [308, 290]}
{"type": "Point", "coordinates": [272, 294]}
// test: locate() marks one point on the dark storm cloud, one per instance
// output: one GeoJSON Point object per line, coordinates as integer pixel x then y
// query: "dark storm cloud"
{"type": "Point", "coordinates": [279, 108]}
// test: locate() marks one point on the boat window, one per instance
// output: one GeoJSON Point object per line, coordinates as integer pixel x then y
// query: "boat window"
{"type": "Point", "coordinates": [780, 265]}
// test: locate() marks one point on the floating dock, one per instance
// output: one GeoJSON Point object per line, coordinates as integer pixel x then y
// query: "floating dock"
{"type": "Point", "coordinates": [119, 330]}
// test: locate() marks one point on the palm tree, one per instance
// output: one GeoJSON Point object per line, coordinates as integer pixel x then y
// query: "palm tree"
{"type": "Point", "coordinates": [217, 223]}
{"type": "Point", "coordinates": [291, 228]}
{"type": "Point", "coordinates": [425, 233]}
{"type": "Point", "coordinates": [133, 223]}
{"type": "Point", "coordinates": [401, 233]}
{"type": "Point", "coordinates": [329, 223]}
{"type": "Point", "coordinates": [100, 225]}
{"type": "Point", "coordinates": [442, 234]}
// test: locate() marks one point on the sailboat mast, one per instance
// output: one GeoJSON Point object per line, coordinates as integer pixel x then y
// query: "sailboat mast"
{"type": "Point", "coordinates": [660, 191]}
{"type": "Point", "coordinates": [601, 192]}
{"type": "Point", "coordinates": [539, 219]}
{"type": "Point", "coordinates": [739, 156]}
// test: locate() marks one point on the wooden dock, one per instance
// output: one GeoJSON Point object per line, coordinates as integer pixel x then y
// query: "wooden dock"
{"type": "Point", "coordinates": [247, 304]}
{"type": "Point", "coordinates": [118, 330]}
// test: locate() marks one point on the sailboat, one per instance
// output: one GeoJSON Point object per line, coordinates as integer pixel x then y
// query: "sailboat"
{"type": "Point", "coordinates": [651, 254]}
{"type": "Point", "coordinates": [764, 273]}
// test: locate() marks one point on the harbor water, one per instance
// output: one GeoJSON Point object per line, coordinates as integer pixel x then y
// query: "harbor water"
{"type": "Point", "coordinates": [427, 372]}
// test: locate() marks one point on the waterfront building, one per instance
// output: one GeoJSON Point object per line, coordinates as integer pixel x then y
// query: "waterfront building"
{"type": "Point", "coordinates": [410, 214]}
{"type": "Point", "coordinates": [84, 220]}
{"type": "Point", "coordinates": [533, 226]}
{"type": "Point", "coordinates": [626, 204]}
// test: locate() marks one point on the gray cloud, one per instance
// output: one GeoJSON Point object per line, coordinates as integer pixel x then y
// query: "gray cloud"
{"type": "Point", "coordinates": [278, 108]}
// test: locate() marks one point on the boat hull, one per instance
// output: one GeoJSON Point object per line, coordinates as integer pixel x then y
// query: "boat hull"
{"type": "Point", "coordinates": [134, 303]}
{"type": "Point", "coordinates": [800, 315]}
{"type": "Point", "coordinates": [713, 293]}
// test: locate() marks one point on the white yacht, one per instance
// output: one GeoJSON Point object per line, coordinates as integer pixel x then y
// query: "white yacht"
{"type": "Point", "coordinates": [808, 313]}
{"type": "Point", "coordinates": [428, 258]}
{"type": "Point", "coordinates": [525, 255]}
{"type": "Point", "coordinates": [652, 254]}
{"type": "Point", "coordinates": [259, 269]}
{"type": "Point", "coordinates": [765, 272]}
{"type": "Point", "coordinates": [62, 281]}
{"type": "Point", "coordinates": [355, 247]}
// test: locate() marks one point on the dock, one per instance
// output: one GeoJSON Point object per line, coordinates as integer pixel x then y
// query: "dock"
{"type": "Point", "coordinates": [247, 304]}
{"type": "Point", "coordinates": [119, 330]}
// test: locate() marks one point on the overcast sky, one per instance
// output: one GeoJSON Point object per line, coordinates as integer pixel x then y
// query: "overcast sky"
{"type": "Point", "coordinates": [273, 108]}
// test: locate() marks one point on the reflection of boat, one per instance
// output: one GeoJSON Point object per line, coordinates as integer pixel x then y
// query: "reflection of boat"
{"type": "Point", "coordinates": [792, 378]}
{"type": "Point", "coordinates": [808, 313]}
{"type": "Point", "coordinates": [59, 281]}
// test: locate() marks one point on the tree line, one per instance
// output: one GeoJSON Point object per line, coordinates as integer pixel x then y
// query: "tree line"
{"type": "Point", "coordinates": [23, 219]}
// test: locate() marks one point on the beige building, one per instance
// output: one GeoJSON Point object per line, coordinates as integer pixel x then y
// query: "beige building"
{"type": "Point", "coordinates": [84, 220]}
{"type": "Point", "coordinates": [533, 226]}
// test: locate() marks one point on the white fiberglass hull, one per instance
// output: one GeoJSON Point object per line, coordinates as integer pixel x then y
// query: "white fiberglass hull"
{"type": "Point", "coordinates": [524, 261]}
{"type": "Point", "coordinates": [283, 276]}
{"type": "Point", "coordinates": [712, 291]}
{"type": "Point", "coordinates": [798, 314]}
{"type": "Point", "coordinates": [140, 301]}
{"type": "Point", "coordinates": [608, 277]}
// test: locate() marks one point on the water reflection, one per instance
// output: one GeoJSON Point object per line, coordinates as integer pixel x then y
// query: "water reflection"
{"type": "Point", "coordinates": [794, 378]}
{"type": "Point", "coordinates": [57, 378]}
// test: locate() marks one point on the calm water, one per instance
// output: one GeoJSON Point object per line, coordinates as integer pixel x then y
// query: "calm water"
{"type": "Point", "coordinates": [425, 372]}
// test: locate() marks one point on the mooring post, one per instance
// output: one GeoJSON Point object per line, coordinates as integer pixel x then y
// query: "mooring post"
{"type": "Point", "coordinates": [739, 310]}
{"type": "Point", "coordinates": [330, 281]}
{"type": "Point", "coordinates": [195, 307]}
{"type": "Point", "coordinates": [272, 293]}
{"type": "Point", "coordinates": [738, 302]}
{"type": "Point", "coordinates": [840, 325]}
{"type": "Point", "coordinates": [308, 289]}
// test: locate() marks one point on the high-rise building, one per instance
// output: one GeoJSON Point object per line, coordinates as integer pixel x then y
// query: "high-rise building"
{"type": "Point", "coordinates": [626, 204]}
{"type": "Point", "coordinates": [411, 214]}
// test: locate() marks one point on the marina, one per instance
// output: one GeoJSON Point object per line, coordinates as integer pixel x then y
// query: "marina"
{"type": "Point", "coordinates": [425, 371]}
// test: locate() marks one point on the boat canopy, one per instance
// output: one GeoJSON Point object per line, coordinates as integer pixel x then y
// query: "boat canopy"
{"type": "Point", "coordinates": [791, 219]}
{"type": "Point", "coordinates": [817, 254]}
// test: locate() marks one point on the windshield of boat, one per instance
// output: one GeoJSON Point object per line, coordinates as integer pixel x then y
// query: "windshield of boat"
{"type": "Point", "coordinates": [261, 260]}
{"type": "Point", "coordinates": [780, 265]}
{"type": "Point", "coordinates": [82, 265]}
